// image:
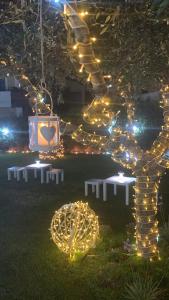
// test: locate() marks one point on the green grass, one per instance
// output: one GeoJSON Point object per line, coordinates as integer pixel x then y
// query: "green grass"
{"type": "Point", "coordinates": [32, 268]}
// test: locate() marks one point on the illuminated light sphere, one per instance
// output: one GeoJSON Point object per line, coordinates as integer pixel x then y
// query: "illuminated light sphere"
{"type": "Point", "coordinates": [75, 228]}
{"type": "Point", "coordinates": [44, 133]}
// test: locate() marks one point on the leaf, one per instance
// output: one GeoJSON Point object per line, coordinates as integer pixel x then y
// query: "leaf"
{"type": "Point", "coordinates": [160, 5]}
{"type": "Point", "coordinates": [163, 5]}
{"type": "Point", "coordinates": [98, 15]}
{"type": "Point", "coordinates": [116, 13]}
{"type": "Point", "coordinates": [104, 29]}
{"type": "Point", "coordinates": [108, 19]}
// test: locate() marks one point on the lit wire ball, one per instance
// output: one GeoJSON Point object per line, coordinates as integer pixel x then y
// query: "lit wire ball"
{"type": "Point", "coordinates": [75, 228]}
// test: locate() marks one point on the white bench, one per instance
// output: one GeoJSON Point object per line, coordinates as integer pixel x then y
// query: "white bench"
{"type": "Point", "coordinates": [54, 174]}
{"type": "Point", "coordinates": [95, 183]}
{"type": "Point", "coordinates": [16, 172]}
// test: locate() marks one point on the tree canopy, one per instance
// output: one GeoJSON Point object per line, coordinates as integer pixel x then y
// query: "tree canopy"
{"type": "Point", "coordinates": [134, 47]}
{"type": "Point", "coordinates": [132, 43]}
{"type": "Point", "coordinates": [20, 39]}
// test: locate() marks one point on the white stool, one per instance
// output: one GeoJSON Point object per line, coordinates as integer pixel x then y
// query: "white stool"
{"type": "Point", "coordinates": [54, 173]}
{"type": "Point", "coordinates": [95, 183]}
{"type": "Point", "coordinates": [16, 171]}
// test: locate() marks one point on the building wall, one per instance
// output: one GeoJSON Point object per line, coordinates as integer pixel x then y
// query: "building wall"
{"type": "Point", "coordinates": [9, 83]}
{"type": "Point", "coordinates": [5, 99]}
{"type": "Point", "coordinates": [7, 110]}
{"type": "Point", "coordinates": [12, 112]}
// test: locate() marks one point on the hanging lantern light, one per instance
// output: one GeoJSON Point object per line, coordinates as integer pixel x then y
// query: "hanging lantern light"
{"type": "Point", "coordinates": [44, 133]}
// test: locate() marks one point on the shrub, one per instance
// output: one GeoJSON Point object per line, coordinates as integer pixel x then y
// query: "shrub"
{"type": "Point", "coordinates": [164, 233]}
{"type": "Point", "coordinates": [142, 288]}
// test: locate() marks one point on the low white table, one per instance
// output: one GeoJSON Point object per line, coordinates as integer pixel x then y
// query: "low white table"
{"type": "Point", "coordinates": [95, 183]}
{"type": "Point", "coordinates": [51, 174]}
{"type": "Point", "coordinates": [118, 180]}
{"type": "Point", "coordinates": [16, 171]}
{"type": "Point", "coordinates": [36, 167]}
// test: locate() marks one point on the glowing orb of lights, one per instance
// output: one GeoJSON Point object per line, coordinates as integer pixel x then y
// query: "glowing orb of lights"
{"type": "Point", "coordinates": [75, 228]}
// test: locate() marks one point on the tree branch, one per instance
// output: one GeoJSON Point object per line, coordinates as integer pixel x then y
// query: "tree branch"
{"type": "Point", "coordinates": [98, 113]}
{"type": "Point", "coordinates": [10, 21]}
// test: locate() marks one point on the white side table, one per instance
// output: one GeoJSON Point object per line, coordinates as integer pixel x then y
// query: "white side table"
{"type": "Point", "coordinates": [55, 173]}
{"type": "Point", "coordinates": [16, 171]}
{"type": "Point", "coordinates": [37, 166]}
{"type": "Point", "coordinates": [95, 183]}
{"type": "Point", "coordinates": [117, 180]}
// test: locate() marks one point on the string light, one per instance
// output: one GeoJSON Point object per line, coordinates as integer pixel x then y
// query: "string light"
{"type": "Point", "coordinates": [98, 113]}
{"type": "Point", "coordinates": [81, 69]}
{"type": "Point", "coordinates": [84, 14]}
{"type": "Point", "coordinates": [18, 150]}
{"type": "Point", "coordinates": [107, 76]}
{"type": "Point", "coordinates": [55, 154]}
{"type": "Point", "coordinates": [93, 39]}
{"type": "Point", "coordinates": [75, 47]}
{"type": "Point", "coordinates": [89, 77]}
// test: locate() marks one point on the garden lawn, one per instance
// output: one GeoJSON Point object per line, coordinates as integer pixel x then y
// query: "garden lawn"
{"type": "Point", "coordinates": [31, 266]}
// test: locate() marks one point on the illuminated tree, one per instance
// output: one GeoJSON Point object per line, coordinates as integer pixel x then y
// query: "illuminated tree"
{"type": "Point", "coordinates": [148, 165]}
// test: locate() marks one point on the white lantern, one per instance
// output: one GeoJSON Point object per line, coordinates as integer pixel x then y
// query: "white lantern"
{"type": "Point", "coordinates": [44, 133]}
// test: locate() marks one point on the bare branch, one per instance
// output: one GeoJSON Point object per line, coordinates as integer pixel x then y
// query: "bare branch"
{"type": "Point", "coordinates": [12, 22]}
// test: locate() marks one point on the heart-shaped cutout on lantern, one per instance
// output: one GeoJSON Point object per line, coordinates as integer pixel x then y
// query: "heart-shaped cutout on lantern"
{"type": "Point", "coordinates": [48, 132]}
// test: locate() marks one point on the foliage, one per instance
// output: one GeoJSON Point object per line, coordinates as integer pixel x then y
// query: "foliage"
{"type": "Point", "coordinates": [142, 288]}
{"type": "Point", "coordinates": [160, 5]}
{"type": "Point", "coordinates": [133, 43]}
{"type": "Point", "coordinates": [20, 37]}
{"type": "Point", "coordinates": [134, 46]}
{"type": "Point", "coordinates": [164, 234]}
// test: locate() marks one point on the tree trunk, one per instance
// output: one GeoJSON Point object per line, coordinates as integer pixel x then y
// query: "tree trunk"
{"type": "Point", "coordinates": [146, 192]}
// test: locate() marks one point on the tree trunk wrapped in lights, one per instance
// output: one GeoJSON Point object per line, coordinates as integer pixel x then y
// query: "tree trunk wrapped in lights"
{"type": "Point", "coordinates": [147, 166]}
{"type": "Point", "coordinates": [146, 197]}
{"type": "Point", "coordinates": [86, 54]}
